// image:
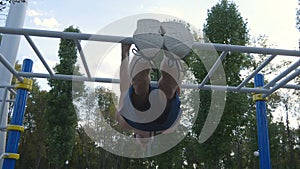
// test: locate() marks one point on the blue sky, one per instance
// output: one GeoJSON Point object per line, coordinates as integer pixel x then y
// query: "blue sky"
{"type": "Point", "coordinates": [274, 18]}
{"type": "Point", "coordinates": [270, 17]}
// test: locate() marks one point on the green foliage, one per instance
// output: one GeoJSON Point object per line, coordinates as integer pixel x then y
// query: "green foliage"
{"type": "Point", "coordinates": [60, 113]}
{"type": "Point", "coordinates": [224, 25]}
{"type": "Point", "coordinates": [53, 135]}
{"type": "Point", "coordinates": [107, 103]}
{"type": "Point", "coordinates": [33, 140]}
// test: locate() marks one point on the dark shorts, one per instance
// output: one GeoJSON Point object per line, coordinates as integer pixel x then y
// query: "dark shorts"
{"type": "Point", "coordinates": [168, 118]}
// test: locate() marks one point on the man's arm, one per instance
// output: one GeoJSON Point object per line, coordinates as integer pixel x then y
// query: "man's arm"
{"type": "Point", "coordinates": [124, 85]}
{"type": "Point", "coordinates": [124, 75]}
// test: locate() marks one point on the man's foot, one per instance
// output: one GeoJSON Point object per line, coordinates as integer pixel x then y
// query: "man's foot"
{"type": "Point", "coordinates": [177, 39]}
{"type": "Point", "coordinates": [147, 38]}
{"type": "Point", "coordinates": [139, 65]}
{"type": "Point", "coordinates": [172, 76]}
{"type": "Point", "coordinates": [173, 67]}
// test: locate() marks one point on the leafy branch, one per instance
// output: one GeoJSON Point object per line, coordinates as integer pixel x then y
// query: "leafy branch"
{"type": "Point", "coordinates": [4, 3]}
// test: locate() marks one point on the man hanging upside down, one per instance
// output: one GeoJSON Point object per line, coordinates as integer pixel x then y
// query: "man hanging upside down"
{"type": "Point", "coordinates": [144, 109]}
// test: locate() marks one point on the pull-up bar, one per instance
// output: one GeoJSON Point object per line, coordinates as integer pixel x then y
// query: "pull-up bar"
{"type": "Point", "coordinates": [128, 40]}
{"type": "Point", "coordinates": [119, 39]}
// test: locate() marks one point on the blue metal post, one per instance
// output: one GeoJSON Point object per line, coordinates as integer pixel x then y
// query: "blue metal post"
{"type": "Point", "coordinates": [262, 125]}
{"type": "Point", "coordinates": [17, 120]}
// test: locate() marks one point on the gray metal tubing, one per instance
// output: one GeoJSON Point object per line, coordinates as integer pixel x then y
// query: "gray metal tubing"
{"type": "Point", "coordinates": [3, 102]}
{"type": "Point", "coordinates": [83, 58]}
{"type": "Point", "coordinates": [3, 129]}
{"type": "Point", "coordinates": [66, 35]}
{"type": "Point", "coordinates": [223, 88]}
{"type": "Point", "coordinates": [10, 88]}
{"type": "Point", "coordinates": [283, 82]}
{"type": "Point", "coordinates": [246, 49]}
{"type": "Point", "coordinates": [292, 86]}
{"type": "Point", "coordinates": [283, 74]}
{"type": "Point", "coordinates": [7, 86]}
{"type": "Point", "coordinates": [259, 68]}
{"type": "Point", "coordinates": [111, 80]}
{"type": "Point", "coordinates": [128, 40]}
{"type": "Point", "coordinates": [9, 67]}
{"type": "Point", "coordinates": [69, 77]}
{"type": "Point", "coordinates": [214, 67]}
{"type": "Point", "coordinates": [38, 53]}
{"type": "Point", "coordinates": [12, 91]}
{"type": "Point", "coordinates": [9, 100]}
{"type": "Point", "coordinates": [187, 86]}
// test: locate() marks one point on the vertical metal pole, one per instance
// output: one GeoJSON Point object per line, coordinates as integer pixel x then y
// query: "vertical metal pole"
{"type": "Point", "coordinates": [262, 125]}
{"type": "Point", "coordinates": [3, 102]}
{"type": "Point", "coordinates": [9, 48]}
{"type": "Point", "coordinates": [17, 119]}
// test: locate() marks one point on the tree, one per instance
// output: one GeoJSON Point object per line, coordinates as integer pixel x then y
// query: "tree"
{"type": "Point", "coordinates": [33, 140]}
{"type": "Point", "coordinates": [60, 113]}
{"type": "Point", "coordinates": [224, 25]}
{"type": "Point", "coordinates": [97, 109]}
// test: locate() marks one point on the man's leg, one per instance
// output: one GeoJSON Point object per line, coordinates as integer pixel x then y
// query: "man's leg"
{"type": "Point", "coordinates": [171, 78]}
{"type": "Point", "coordinates": [140, 84]}
{"type": "Point", "coordinates": [140, 73]}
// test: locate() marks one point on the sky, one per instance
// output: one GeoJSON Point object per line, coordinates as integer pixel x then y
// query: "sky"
{"type": "Point", "coordinates": [273, 18]}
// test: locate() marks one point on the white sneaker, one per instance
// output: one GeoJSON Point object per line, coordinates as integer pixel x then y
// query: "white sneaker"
{"type": "Point", "coordinates": [147, 37]}
{"type": "Point", "coordinates": [173, 67]}
{"type": "Point", "coordinates": [177, 39]}
{"type": "Point", "coordinates": [137, 65]}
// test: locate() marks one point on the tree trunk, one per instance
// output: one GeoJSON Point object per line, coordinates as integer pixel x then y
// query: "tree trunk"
{"type": "Point", "coordinates": [240, 165]}
{"type": "Point", "coordinates": [38, 161]}
{"type": "Point", "coordinates": [291, 160]}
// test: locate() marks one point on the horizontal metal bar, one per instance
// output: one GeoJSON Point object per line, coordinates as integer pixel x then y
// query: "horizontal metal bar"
{"type": "Point", "coordinates": [4, 154]}
{"type": "Point", "coordinates": [6, 63]}
{"type": "Point", "coordinates": [111, 80]}
{"type": "Point", "coordinates": [283, 82]}
{"type": "Point", "coordinates": [259, 68]}
{"type": "Point", "coordinates": [129, 40]}
{"type": "Point", "coordinates": [223, 88]}
{"type": "Point", "coordinates": [283, 74]}
{"type": "Point", "coordinates": [292, 86]}
{"type": "Point", "coordinates": [214, 67]}
{"type": "Point", "coordinates": [38, 53]}
{"type": "Point", "coordinates": [66, 35]}
{"type": "Point", "coordinates": [3, 129]}
{"type": "Point", "coordinates": [7, 86]}
{"type": "Point", "coordinates": [9, 100]}
{"type": "Point", "coordinates": [246, 49]}
{"type": "Point", "coordinates": [69, 77]}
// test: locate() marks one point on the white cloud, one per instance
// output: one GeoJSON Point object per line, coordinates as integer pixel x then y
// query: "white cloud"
{"type": "Point", "coordinates": [33, 13]}
{"type": "Point", "coordinates": [41, 18]}
{"type": "Point", "coordinates": [47, 22]}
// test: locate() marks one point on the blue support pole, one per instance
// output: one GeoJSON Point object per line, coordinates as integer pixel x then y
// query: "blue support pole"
{"type": "Point", "coordinates": [262, 125]}
{"type": "Point", "coordinates": [15, 128]}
